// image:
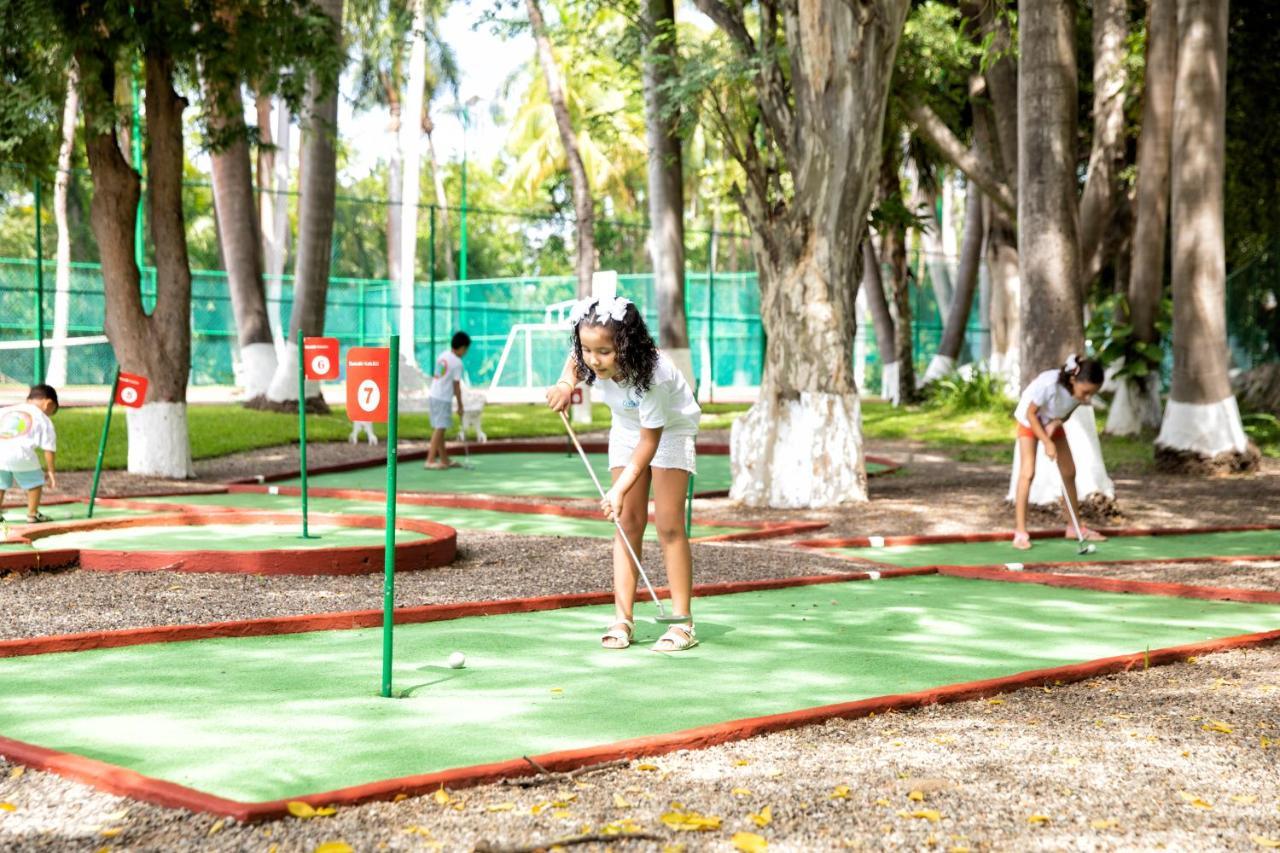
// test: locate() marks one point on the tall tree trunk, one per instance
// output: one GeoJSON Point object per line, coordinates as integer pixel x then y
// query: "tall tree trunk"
{"type": "Point", "coordinates": [1005, 307]}
{"type": "Point", "coordinates": [966, 283]}
{"type": "Point", "coordinates": [1106, 158]}
{"type": "Point", "coordinates": [1002, 84]}
{"type": "Point", "coordinates": [395, 186]}
{"type": "Point", "coordinates": [157, 346]}
{"type": "Point", "coordinates": [666, 182]}
{"type": "Point", "coordinates": [273, 208]}
{"type": "Point", "coordinates": [239, 238]}
{"type": "Point", "coordinates": [1048, 244]}
{"type": "Point", "coordinates": [800, 444]}
{"type": "Point", "coordinates": [1136, 404]}
{"type": "Point", "coordinates": [1201, 425]}
{"type": "Point", "coordinates": [411, 156]}
{"type": "Point", "coordinates": [935, 258]}
{"type": "Point", "coordinates": [56, 374]}
{"type": "Point", "coordinates": [442, 209]}
{"type": "Point", "coordinates": [317, 188]}
{"type": "Point", "coordinates": [583, 206]}
{"type": "Point", "coordinates": [882, 321]}
{"type": "Point", "coordinates": [893, 255]}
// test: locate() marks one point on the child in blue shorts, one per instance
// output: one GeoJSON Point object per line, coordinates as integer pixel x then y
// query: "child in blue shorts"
{"type": "Point", "coordinates": [25, 429]}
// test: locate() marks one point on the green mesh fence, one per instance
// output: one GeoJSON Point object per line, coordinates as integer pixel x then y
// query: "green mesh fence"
{"type": "Point", "coordinates": [1253, 310]}
{"type": "Point", "coordinates": [363, 304]}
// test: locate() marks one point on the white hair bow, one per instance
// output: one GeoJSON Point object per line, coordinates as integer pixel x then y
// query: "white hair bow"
{"type": "Point", "coordinates": [606, 308]}
{"type": "Point", "coordinates": [1073, 363]}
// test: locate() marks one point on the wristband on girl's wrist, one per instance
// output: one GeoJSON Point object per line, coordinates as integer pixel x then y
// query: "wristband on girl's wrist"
{"type": "Point", "coordinates": [565, 383]}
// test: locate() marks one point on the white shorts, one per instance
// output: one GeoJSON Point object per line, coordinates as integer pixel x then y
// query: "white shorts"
{"type": "Point", "coordinates": [440, 412]}
{"type": "Point", "coordinates": [674, 451]}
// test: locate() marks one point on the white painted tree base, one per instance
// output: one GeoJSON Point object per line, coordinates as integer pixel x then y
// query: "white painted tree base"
{"type": "Point", "coordinates": [1091, 472]}
{"type": "Point", "coordinates": [800, 453]}
{"type": "Point", "coordinates": [939, 366]}
{"type": "Point", "coordinates": [1007, 366]}
{"type": "Point", "coordinates": [158, 442]}
{"type": "Point", "coordinates": [284, 384]}
{"type": "Point", "coordinates": [1132, 408]}
{"type": "Point", "coordinates": [1204, 428]}
{"type": "Point", "coordinates": [257, 367]}
{"type": "Point", "coordinates": [890, 389]}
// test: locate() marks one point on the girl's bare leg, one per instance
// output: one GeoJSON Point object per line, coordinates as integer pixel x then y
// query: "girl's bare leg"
{"type": "Point", "coordinates": [1026, 473]}
{"type": "Point", "coordinates": [670, 486]}
{"type": "Point", "coordinates": [1067, 468]}
{"type": "Point", "coordinates": [634, 518]}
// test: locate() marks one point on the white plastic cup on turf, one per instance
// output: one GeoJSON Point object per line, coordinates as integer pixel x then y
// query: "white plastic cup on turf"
{"type": "Point", "coordinates": [457, 660]}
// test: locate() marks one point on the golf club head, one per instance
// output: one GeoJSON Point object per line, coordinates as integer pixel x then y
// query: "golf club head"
{"type": "Point", "coordinates": [669, 619]}
{"type": "Point", "coordinates": [1087, 549]}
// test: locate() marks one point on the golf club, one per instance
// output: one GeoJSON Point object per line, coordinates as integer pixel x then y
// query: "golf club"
{"type": "Point", "coordinates": [466, 450]}
{"type": "Point", "coordinates": [662, 616]}
{"type": "Point", "coordinates": [1085, 547]}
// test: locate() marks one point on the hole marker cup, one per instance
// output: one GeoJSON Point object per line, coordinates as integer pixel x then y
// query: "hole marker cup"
{"type": "Point", "coordinates": [875, 576]}
{"type": "Point", "coordinates": [273, 490]}
{"type": "Point", "coordinates": [876, 541]}
{"type": "Point", "coordinates": [1013, 567]}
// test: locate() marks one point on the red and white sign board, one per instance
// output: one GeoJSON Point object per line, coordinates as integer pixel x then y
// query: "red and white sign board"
{"type": "Point", "coordinates": [368, 375]}
{"type": "Point", "coordinates": [320, 357]}
{"type": "Point", "coordinates": [132, 390]}
{"type": "Point", "coordinates": [575, 396]}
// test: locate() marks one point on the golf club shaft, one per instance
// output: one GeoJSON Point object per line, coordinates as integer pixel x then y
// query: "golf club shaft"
{"type": "Point", "coordinates": [625, 541]}
{"type": "Point", "coordinates": [1075, 522]}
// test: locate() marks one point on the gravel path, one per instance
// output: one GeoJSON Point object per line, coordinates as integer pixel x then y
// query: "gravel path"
{"type": "Point", "coordinates": [1183, 757]}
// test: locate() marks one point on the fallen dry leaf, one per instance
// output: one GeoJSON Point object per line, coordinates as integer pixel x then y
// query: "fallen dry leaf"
{"type": "Point", "coordinates": [749, 842]}
{"type": "Point", "coordinates": [690, 821]}
{"type": "Point", "coordinates": [1104, 823]}
{"type": "Point", "coordinates": [334, 847]}
{"type": "Point", "coordinates": [17, 771]}
{"type": "Point", "coordinates": [647, 767]}
{"type": "Point", "coordinates": [931, 815]}
{"type": "Point", "coordinates": [500, 807]}
{"type": "Point", "coordinates": [620, 802]}
{"type": "Point", "coordinates": [217, 827]}
{"type": "Point", "coordinates": [918, 796]}
{"type": "Point", "coordinates": [762, 818]}
{"type": "Point", "coordinates": [740, 792]}
{"type": "Point", "coordinates": [111, 833]}
{"type": "Point", "coordinates": [8, 807]}
{"type": "Point", "coordinates": [1193, 800]}
{"type": "Point", "coordinates": [442, 797]}
{"type": "Point", "coordinates": [841, 792]}
{"type": "Point", "coordinates": [1263, 841]}
{"type": "Point", "coordinates": [1038, 818]}
{"type": "Point", "coordinates": [1217, 726]}
{"type": "Point", "coordinates": [1244, 799]}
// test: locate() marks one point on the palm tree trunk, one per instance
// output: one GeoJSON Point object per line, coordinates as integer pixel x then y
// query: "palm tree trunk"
{"type": "Point", "coordinates": [315, 231]}
{"type": "Point", "coordinates": [442, 210]}
{"type": "Point", "coordinates": [395, 188]}
{"type": "Point", "coordinates": [1102, 186]}
{"type": "Point", "coordinates": [583, 206]}
{"type": "Point", "coordinates": [1136, 404]}
{"type": "Point", "coordinates": [238, 236]}
{"type": "Point", "coordinates": [666, 182]}
{"type": "Point", "coordinates": [411, 157]}
{"type": "Point", "coordinates": [273, 208]}
{"type": "Point", "coordinates": [56, 375]}
{"type": "Point", "coordinates": [1201, 428]}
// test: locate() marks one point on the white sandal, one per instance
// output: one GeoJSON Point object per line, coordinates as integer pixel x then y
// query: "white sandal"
{"type": "Point", "coordinates": [619, 633]}
{"type": "Point", "coordinates": [677, 638]}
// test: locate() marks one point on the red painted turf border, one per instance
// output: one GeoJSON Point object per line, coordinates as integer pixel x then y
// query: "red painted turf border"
{"type": "Point", "coordinates": [890, 466]}
{"type": "Point", "coordinates": [751, 529]}
{"type": "Point", "coordinates": [118, 780]}
{"type": "Point", "coordinates": [438, 550]}
{"type": "Point", "coordinates": [945, 538]}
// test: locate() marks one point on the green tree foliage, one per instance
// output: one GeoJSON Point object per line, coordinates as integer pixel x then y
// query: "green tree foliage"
{"type": "Point", "coordinates": [1253, 129]}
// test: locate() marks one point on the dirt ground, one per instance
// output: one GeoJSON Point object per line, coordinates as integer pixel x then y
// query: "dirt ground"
{"type": "Point", "coordinates": [1180, 757]}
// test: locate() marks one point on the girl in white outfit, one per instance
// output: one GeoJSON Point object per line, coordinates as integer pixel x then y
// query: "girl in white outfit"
{"type": "Point", "coordinates": [1043, 408]}
{"type": "Point", "coordinates": [651, 442]}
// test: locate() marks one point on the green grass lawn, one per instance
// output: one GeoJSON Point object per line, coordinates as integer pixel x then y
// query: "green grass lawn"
{"type": "Point", "coordinates": [217, 430]}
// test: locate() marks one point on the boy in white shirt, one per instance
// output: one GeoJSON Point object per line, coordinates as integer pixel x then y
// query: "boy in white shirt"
{"type": "Point", "coordinates": [446, 386]}
{"type": "Point", "coordinates": [24, 429]}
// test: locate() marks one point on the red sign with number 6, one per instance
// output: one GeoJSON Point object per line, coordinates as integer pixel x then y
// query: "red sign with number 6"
{"type": "Point", "coordinates": [132, 390]}
{"type": "Point", "coordinates": [368, 374]}
{"type": "Point", "coordinates": [321, 358]}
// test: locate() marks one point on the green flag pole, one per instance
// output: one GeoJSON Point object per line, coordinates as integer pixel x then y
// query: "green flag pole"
{"type": "Point", "coordinates": [302, 431]}
{"type": "Point", "coordinates": [102, 442]}
{"type": "Point", "coordinates": [389, 550]}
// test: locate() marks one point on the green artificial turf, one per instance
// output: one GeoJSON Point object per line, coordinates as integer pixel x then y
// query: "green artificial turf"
{"type": "Point", "coordinates": [1118, 549]}
{"type": "Point", "coordinates": [262, 718]}
{"type": "Point", "coordinates": [534, 524]}
{"type": "Point", "coordinates": [223, 537]}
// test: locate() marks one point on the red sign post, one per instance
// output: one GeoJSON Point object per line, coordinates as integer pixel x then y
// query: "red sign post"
{"type": "Point", "coordinates": [131, 390]}
{"type": "Point", "coordinates": [368, 381]}
{"type": "Point", "coordinates": [320, 358]}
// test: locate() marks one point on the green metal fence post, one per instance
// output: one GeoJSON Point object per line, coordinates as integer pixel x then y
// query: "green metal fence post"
{"type": "Point", "coordinates": [389, 549]}
{"type": "Point", "coordinates": [39, 364]}
{"type": "Point", "coordinates": [302, 429]}
{"type": "Point", "coordinates": [102, 442]}
{"type": "Point", "coordinates": [711, 318]}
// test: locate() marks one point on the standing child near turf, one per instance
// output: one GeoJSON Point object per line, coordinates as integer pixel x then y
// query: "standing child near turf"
{"type": "Point", "coordinates": [1042, 410]}
{"type": "Point", "coordinates": [24, 429]}
{"type": "Point", "coordinates": [446, 386]}
{"type": "Point", "coordinates": [651, 442]}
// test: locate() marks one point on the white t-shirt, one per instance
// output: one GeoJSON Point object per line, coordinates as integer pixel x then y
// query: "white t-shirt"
{"type": "Point", "coordinates": [24, 429]}
{"type": "Point", "coordinates": [669, 402]}
{"type": "Point", "coordinates": [448, 370]}
{"type": "Point", "coordinates": [1053, 401]}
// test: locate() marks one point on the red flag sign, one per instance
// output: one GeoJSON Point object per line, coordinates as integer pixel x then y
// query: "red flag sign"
{"type": "Point", "coordinates": [321, 358]}
{"type": "Point", "coordinates": [368, 375]}
{"type": "Point", "coordinates": [132, 390]}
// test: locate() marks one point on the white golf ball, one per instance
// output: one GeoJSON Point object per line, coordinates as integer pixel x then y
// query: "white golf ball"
{"type": "Point", "coordinates": [457, 660]}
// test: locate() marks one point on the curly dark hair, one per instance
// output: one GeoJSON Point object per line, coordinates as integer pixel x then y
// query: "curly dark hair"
{"type": "Point", "coordinates": [637, 353]}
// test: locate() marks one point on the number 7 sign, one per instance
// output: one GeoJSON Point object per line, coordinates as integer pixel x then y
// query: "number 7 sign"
{"type": "Point", "coordinates": [368, 375]}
